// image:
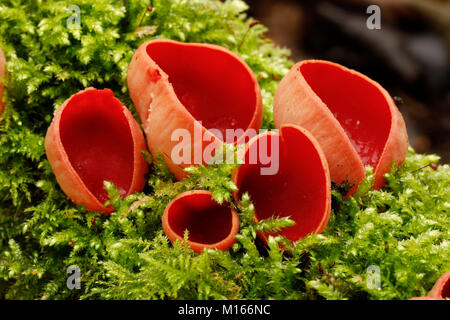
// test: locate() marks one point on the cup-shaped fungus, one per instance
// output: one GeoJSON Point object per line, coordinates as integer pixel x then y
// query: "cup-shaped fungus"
{"type": "Point", "coordinates": [192, 97]}
{"type": "Point", "coordinates": [440, 290]}
{"type": "Point", "coordinates": [2, 79]}
{"type": "Point", "coordinates": [354, 119]}
{"type": "Point", "coordinates": [94, 138]}
{"type": "Point", "coordinates": [294, 183]}
{"type": "Point", "coordinates": [209, 224]}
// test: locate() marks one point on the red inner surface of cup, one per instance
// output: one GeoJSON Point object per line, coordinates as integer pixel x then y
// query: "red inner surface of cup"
{"type": "Point", "coordinates": [358, 105]}
{"type": "Point", "coordinates": [206, 221]}
{"type": "Point", "coordinates": [446, 289]}
{"type": "Point", "coordinates": [298, 189]}
{"type": "Point", "coordinates": [213, 86]}
{"type": "Point", "coordinates": [97, 139]}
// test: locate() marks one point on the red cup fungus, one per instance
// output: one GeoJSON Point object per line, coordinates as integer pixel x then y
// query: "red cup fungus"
{"type": "Point", "coordinates": [93, 138]}
{"type": "Point", "coordinates": [2, 79]}
{"type": "Point", "coordinates": [301, 188]}
{"type": "Point", "coordinates": [210, 225]}
{"type": "Point", "coordinates": [354, 119]}
{"type": "Point", "coordinates": [440, 290]}
{"type": "Point", "coordinates": [192, 87]}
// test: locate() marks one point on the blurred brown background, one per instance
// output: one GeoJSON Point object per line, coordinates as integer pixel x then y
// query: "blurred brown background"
{"type": "Point", "coordinates": [409, 55]}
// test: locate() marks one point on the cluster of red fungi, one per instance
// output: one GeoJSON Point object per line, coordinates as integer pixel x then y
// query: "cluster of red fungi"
{"type": "Point", "coordinates": [331, 121]}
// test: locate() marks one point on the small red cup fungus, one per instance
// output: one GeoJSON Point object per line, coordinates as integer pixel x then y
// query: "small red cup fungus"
{"type": "Point", "coordinates": [301, 187]}
{"type": "Point", "coordinates": [210, 225]}
{"type": "Point", "coordinates": [2, 79]}
{"type": "Point", "coordinates": [440, 290]}
{"type": "Point", "coordinates": [194, 87]}
{"type": "Point", "coordinates": [93, 138]}
{"type": "Point", "coordinates": [354, 119]}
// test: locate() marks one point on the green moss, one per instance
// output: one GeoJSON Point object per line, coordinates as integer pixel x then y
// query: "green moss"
{"type": "Point", "coordinates": [402, 229]}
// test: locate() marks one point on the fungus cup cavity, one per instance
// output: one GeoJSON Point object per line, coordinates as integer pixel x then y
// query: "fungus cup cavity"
{"type": "Point", "coordinates": [93, 138]}
{"type": "Point", "coordinates": [210, 225]}
{"type": "Point", "coordinates": [354, 119]}
{"type": "Point", "coordinates": [192, 87]}
{"type": "Point", "coordinates": [301, 187]}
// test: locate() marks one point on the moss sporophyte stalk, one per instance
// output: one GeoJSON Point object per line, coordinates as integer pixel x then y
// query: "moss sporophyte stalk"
{"type": "Point", "coordinates": [402, 228]}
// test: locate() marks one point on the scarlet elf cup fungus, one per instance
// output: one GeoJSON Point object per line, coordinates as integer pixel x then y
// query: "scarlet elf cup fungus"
{"type": "Point", "coordinates": [210, 225]}
{"type": "Point", "coordinates": [192, 87]}
{"type": "Point", "coordinates": [299, 189]}
{"type": "Point", "coordinates": [354, 118]}
{"type": "Point", "coordinates": [440, 290]}
{"type": "Point", "coordinates": [93, 138]}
